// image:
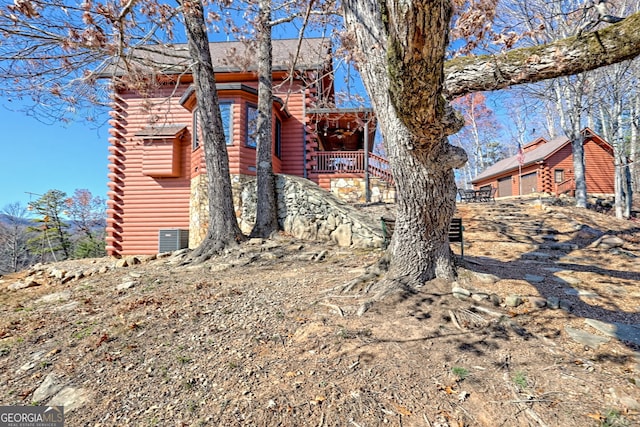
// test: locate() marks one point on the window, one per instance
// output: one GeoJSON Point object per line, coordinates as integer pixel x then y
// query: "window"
{"type": "Point", "coordinates": [278, 147]}
{"type": "Point", "coordinates": [226, 111]}
{"type": "Point", "coordinates": [197, 131]}
{"type": "Point", "coordinates": [251, 126]}
{"type": "Point", "coordinates": [558, 175]}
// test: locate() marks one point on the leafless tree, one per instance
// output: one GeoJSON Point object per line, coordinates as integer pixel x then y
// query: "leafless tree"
{"type": "Point", "coordinates": [400, 50]}
{"type": "Point", "coordinates": [14, 251]}
{"type": "Point", "coordinates": [223, 230]}
{"type": "Point", "coordinates": [614, 96]}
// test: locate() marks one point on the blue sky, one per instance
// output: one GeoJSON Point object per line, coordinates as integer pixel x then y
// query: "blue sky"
{"type": "Point", "coordinates": [37, 157]}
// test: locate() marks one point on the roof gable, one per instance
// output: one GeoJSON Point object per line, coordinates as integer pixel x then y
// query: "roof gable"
{"type": "Point", "coordinates": [538, 154]}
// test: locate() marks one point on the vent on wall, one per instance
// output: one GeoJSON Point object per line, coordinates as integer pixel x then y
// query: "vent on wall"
{"type": "Point", "coordinates": [170, 240]}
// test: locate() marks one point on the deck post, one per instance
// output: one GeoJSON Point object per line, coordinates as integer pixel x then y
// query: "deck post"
{"type": "Point", "coordinates": [367, 190]}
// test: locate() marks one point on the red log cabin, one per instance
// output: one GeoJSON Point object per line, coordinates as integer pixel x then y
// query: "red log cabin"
{"type": "Point", "coordinates": [547, 167]}
{"type": "Point", "coordinates": [156, 177]}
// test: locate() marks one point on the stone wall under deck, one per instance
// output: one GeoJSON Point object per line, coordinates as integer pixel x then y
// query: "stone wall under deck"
{"type": "Point", "coordinates": [304, 210]}
{"type": "Point", "coordinates": [309, 212]}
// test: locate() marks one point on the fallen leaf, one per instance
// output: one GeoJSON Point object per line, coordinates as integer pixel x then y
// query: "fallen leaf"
{"type": "Point", "coordinates": [25, 393]}
{"type": "Point", "coordinates": [102, 339]}
{"type": "Point", "coordinates": [449, 389]}
{"type": "Point", "coordinates": [596, 417]}
{"type": "Point", "coordinates": [402, 410]}
{"type": "Point", "coordinates": [52, 353]}
{"type": "Point", "coordinates": [318, 400]}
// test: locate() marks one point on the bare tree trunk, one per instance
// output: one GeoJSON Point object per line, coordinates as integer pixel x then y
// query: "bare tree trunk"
{"type": "Point", "coordinates": [550, 123]}
{"type": "Point", "coordinates": [575, 116]}
{"type": "Point", "coordinates": [223, 227]}
{"type": "Point", "coordinates": [414, 132]}
{"type": "Point", "coordinates": [577, 150]}
{"type": "Point", "coordinates": [620, 150]}
{"type": "Point", "coordinates": [569, 106]}
{"type": "Point", "coordinates": [612, 99]}
{"type": "Point", "coordinates": [634, 167]}
{"type": "Point", "coordinates": [266, 205]}
{"type": "Point", "coordinates": [628, 190]}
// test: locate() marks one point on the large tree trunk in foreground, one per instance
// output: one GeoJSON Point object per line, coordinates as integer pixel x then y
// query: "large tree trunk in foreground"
{"type": "Point", "coordinates": [415, 133]}
{"type": "Point", "coordinates": [400, 50]}
{"type": "Point", "coordinates": [266, 204]}
{"type": "Point", "coordinates": [223, 227]}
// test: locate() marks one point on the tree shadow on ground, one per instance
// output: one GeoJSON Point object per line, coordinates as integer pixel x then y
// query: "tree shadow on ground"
{"type": "Point", "coordinates": [557, 255]}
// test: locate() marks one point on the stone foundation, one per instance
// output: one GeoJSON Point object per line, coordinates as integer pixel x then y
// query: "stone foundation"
{"type": "Point", "coordinates": [309, 212]}
{"type": "Point", "coordinates": [352, 190]}
{"type": "Point", "coordinates": [198, 210]}
{"type": "Point", "coordinates": [304, 209]}
{"type": "Point", "coordinates": [199, 205]}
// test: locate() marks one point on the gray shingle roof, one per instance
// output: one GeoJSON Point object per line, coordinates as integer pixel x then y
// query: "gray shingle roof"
{"type": "Point", "coordinates": [533, 156]}
{"type": "Point", "coordinates": [314, 53]}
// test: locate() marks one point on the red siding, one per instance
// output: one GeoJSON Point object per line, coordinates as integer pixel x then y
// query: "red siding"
{"type": "Point", "coordinates": [599, 168]}
{"type": "Point", "coordinates": [150, 181]}
{"type": "Point", "coordinates": [561, 159]}
{"type": "Point", "coordinates": [139, 205]}
{"type": "Point", "coordinates": [598, 163]}
{"type": "Point", "coordinates": [515, 181]}
{"type": "Point", "coordinates": [161, 158]}
{"type": "Point", "coordinates": [293, 133]}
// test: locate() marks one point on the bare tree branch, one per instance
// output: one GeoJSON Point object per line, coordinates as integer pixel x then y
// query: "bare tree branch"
{"type": "Point", "coordinates": [612, 44]}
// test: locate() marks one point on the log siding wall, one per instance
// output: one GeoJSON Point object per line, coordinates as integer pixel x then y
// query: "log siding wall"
{"type": "Point", "coordinates": [599, 169]}
{"type": "Point", "coordinates": [140, 202]}
{"type": "Point", "coordinates": [140, 205]}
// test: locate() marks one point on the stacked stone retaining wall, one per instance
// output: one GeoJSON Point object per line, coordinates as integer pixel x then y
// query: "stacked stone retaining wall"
{"type": "Point", "coordinates": [309, 212]}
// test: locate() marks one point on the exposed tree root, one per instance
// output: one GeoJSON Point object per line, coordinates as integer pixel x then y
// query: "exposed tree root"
{"type": "Point", "coordinates": [366, 281]}
{"type": "Point", "coordinates": [379, 282]}
{"type": "Point", "coordinates": [209, 248]}
{"type": "Point", "coordinates": [379, 279]}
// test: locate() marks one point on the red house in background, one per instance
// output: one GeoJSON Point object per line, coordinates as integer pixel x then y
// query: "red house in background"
{"type": "Point", "coordinates": [157, 170]}
{"type": "Point", "coordinates": [547, 167]}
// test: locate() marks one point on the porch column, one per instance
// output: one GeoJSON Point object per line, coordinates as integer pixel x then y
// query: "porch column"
{"type": "Point", "coordinates": [367, 190]}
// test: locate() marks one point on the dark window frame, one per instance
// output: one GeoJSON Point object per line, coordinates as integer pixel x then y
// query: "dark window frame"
{"type": "Point", "coordinates": [228, 132]}
{"type": "Point", "coordinates": [251, 135]}
{"type": "Point", "coordinates": [278, 138]}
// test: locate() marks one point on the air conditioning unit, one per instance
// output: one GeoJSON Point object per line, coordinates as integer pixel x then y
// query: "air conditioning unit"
{"type": "Point", "coordinates": [170, 240]}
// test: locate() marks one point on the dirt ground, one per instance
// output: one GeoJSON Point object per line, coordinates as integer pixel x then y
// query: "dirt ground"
{"type": "Point", "coordinates": [260, 335]}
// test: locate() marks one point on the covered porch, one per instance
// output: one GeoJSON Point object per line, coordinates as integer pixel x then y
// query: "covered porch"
{"type": "Point", "coordinates": [340, 146]}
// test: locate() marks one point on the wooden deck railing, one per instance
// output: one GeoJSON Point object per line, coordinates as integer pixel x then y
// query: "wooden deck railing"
{"type": "Point", "coordinates": [339, 161]}
{"type": "Point", "coordinates": [379, 167]}
{"type": "Point", "coordinates": [566, 186]}
{"type": "Point", "coordinates": [352, 162]}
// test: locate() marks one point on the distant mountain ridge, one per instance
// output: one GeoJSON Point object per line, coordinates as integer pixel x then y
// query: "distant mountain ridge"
{"type": "Point", "coordinates": [9, 219]}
